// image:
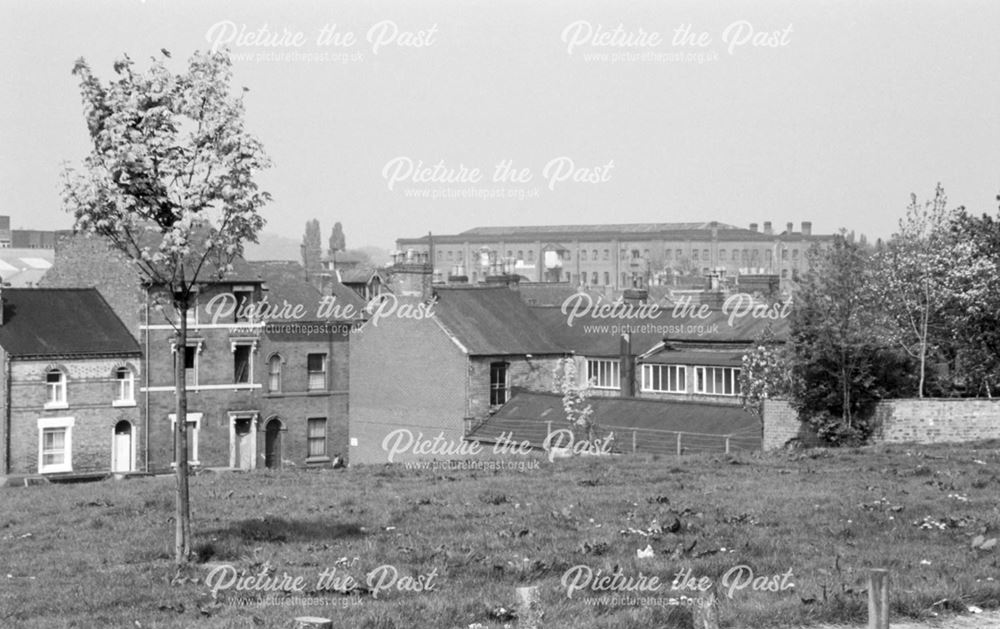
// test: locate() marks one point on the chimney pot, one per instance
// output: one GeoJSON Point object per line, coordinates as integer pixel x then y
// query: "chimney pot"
{"type": "Point", "coordinates": [807, 228]}
{"type": "Point", "coordinates": [790, 227]}
{"type": "Point", "coordinates": [767, 227]}
{"type": "Point", "coordinates": [753, 227]}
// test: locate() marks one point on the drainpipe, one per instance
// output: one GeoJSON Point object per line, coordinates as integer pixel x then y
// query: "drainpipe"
{"type": "Point", "coordinates": [6, 418]}
{"type": "Point", "coordinates": [145, 376]}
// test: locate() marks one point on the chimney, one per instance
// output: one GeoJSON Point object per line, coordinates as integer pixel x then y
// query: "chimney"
{"type": "Point", "coordinates": [790, 227]}
{"type": "Point", "coordinates": [627, 367]}
{"type": "Point", "coordinates": [767, 228]}
{"type": "Point", "coordinates": [753, 227]}
{"type": "Point", "coordinates": [807, 228]}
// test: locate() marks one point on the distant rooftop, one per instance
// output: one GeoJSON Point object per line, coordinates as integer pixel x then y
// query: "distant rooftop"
{"type": "Point", "coordinates": [624, 228]}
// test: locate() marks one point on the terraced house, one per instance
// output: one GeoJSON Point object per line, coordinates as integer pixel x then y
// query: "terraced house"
{"type": "Point", "coordinates": [69, 390]}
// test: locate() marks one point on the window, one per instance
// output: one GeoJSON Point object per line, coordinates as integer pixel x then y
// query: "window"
{"type": "Point", "coordinates": [316, 366]}
{"type": "Point", "coordinates": [795, 254]}
{"type": "Point", "coordinates": [722, 255]}
{"type": "Point", "coordinates": [498, 384]}
{"type": "Point", "coordinates": [509, 253]}
{"type": "Point", "coordinates": [316, 437]}
{"type": "Point", "coordinates": [603, 374]}
{"type": "Point", "coordinates": [55, 385]}
{"type": "Point", "coordinates": [694, 254]}
{"type": "Point", "coordinates": [680, 254]}
{"type": "Point", "coordinates": [274, 374]}
{"type": "Point", "coordinates": [55, 444]}
{"type": "Point", "coordinates": [607, 278]}
{"type": "Point", "coordinates": [664, 378]}
{"type": "Point", "coordinates": [635, 254]}
{"type": "Point", "coordinates": [531, 255]}
{"type": "Point", "coordinates": [768, 255]}
{"type": "Point", "coordinates": [594, 277]}
{"type": "Point", "coordinates": [124, 387]}
{"type": "Point", "coordinates": [717, 380]}
{"type": "Point", "coordinates": [190, 357]}
{"type": "Point", "coordinates": [784, 254]}
{"type": "Point", "coordinates": [594, 255]}
{"type": "Point", "coordinates": [668, 253]}
{"type": "Point", "coordinates": [244, 303]}
{"type": "Point", "coordinates": [520, 255]}
{"type": "Point", "coordinates": [607, 254]}
{"type": "Point", "coordinates": [440, 255]}
{"type": "Point", "coordinates": [583, 255]}
{"type": "Point", "coordinates": [451, 255]}
{"type": "Point", "coordinates": [241, 364]}
{"type": "Point", "coordinates": [705, 255]}
{"type": "Point", "coordinates": [193, 428]}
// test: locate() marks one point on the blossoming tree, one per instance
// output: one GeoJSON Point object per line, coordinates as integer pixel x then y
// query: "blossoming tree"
{"type": "Point", "coordinates": [170, 183]}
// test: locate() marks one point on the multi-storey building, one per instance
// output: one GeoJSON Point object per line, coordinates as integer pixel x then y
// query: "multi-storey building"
{"type": "Point", "coordinates": [618, 256]}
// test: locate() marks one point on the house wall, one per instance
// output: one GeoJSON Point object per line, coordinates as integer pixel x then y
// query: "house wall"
{"type": "Point", "coordinates": [898, 421]}
{"type": "Point", "coordinates": [294, 404]}
{"type": "Point", "coordinates": [535, 374]}
{"type": "Point", "coordinates": [90, 390]}
{"type": "Point", "coordinates": [405, 374]}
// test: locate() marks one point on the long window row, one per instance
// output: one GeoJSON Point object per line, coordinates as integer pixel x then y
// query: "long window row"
{"type": "Point", "coordinates": [604, 374]}
{"type": "Point", "coordinates": [122, 393]}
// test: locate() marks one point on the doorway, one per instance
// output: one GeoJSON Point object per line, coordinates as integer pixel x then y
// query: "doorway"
{"type": "Point", "coordinates": [121, 447]}
{"type": "Point", "coordinates": [272, 444]}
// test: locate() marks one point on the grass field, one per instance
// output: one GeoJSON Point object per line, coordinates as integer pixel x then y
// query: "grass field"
{"type": "Point", "coordinates": [449, 548]}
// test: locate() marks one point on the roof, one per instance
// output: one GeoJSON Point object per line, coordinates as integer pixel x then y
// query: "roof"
{"type": "Point", "coordinates": [492, 320]}
{"type": "Point", "coordinates": [591, 335]}
{"type": "Point", "coordinates": [689, 357]}
{"type": "Point", "coordinates": [285, 283]}
{"type": "Point", "coordinates": [357, 275]}
{"type": "Point", "coordinates": [526, 416]}
{"type": "Point", "coordinates": [24, 268]}
{"type": "Point", "coordinates": [551, 293]}
{"type": "Point", "coordinates": [62, 322]}
{"type": "Point", "coordinates": [622, 228]}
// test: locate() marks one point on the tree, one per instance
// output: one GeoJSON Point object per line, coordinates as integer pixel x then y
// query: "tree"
{"type": "Point", "coordinates": [912, 271]}
{"type": "Point", "coordinates": [337, 240]}
{"type": "Point", "coordinates": [169, 182]}
{"type": "Point", "coordinates": [579, 413]}
{"type": "Point", "coordinates": [764, 373]}
{"type": "Point", "coordinates": [839, 369]}
{"type": "Point", "coordinates": [312, 248]}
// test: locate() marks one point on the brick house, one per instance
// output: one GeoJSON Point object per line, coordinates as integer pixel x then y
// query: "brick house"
{"type": "Point", "coordinates": [254, 397]}
{"type": "Point", "coordinates": [446, 373]}
{"type": "Point", "coordinates": [70, 369]}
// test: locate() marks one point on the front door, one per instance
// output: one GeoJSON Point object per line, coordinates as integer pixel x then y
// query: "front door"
{"type": "Point", "coordinates": [121, 449]}
{"type": "Point", "coordinates": [272, 444]}
{"type": "Point", "coordinates": [243, 435]}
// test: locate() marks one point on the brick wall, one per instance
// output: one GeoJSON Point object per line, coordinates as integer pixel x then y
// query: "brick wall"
{"type": "Point", "coordinates": [898, 421]}
{"type": "Point", "coordinates": [90, 391]}
{"type": "Point", "coordinates": [404, 374]}
{"type": "Point", "coordinates": [534, 375]}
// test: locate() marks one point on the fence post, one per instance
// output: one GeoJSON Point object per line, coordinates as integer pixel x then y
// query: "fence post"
{"type": "Point", "coordinates": [633, 442]}
{"type": "Point", "coordinates": [878, 599]}
{"type": "Point", "coordinates": [678, 444]}
{"type": "Point", "coordinates": [727, 445]}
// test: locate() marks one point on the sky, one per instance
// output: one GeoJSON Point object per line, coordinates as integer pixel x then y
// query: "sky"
{"type": "Point", "coordinates": [399, 118]}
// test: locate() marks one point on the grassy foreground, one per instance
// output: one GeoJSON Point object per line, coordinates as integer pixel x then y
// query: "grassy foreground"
{"type": "Point", "coordinates": [448, 548]}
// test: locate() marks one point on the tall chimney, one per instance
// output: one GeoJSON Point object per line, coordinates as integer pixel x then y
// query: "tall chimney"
{"type": "Point", "coordinates": [753, 227]}
{"type": "Point", "coordinates": [767, 227]}
{"type": "Point", "coordinates": [807, 228]}
{"type": "Point", "coordinates": [790, 227]}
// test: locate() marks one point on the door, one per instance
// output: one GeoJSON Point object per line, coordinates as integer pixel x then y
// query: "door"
{"type": "Point", "coordinates": [272, 444]}
{"type": "Point", "coordinates": [121, 449]}
{"type": "Point", "coordinates": [243, 458]}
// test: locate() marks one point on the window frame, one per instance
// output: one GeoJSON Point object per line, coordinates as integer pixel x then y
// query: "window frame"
{"type": "Point", "coordinates": [120, 383]}
{"type": "Point", "coordinates": [56, 393]}
{"type": "Point", "coordinates": [275, 359]}
{"type": "Point", "coordinates": [612, 373]}
{"type": "Point", "coordinates": [237, 347]}
{"type": "Point", "coordinates": [702, 382]}
{"type": "Point", "coordinates": [311, 439]}
{"type": "Point", "coordinates": [678, 375]}
{"type": "Point", "coordinates": [192, 432]}
{"type": "Point", "coordinates": [64, 424]}
{"type": "Point", "coordinates": [310, 373]}
{"type": "Point", "coordinates": [498, 389]}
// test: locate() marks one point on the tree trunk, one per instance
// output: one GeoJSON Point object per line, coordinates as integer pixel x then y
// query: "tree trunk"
{"type": "Point", "coordinates": [182, 514]}
{"type": "Point", "coordinates": [923, 339]}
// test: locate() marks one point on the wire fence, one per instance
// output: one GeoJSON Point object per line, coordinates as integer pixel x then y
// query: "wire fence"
{"type": "Point", "coordinates": [625, 439]}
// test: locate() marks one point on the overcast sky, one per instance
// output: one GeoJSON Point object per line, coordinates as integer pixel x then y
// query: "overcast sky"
{"type": "Point", "coordinates": [832, 112]}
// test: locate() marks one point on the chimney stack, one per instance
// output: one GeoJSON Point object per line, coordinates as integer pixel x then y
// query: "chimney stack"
{"type": "Point", "coordinates": [753, 227]}
{"type": "Point", "coordinates": [790, 227]}
{"type": "Point", "coordinates": [627, 369]}
{"type": "Point", "coordinates": [807, 228]}
{"type": "Point", "coordinates": [767, 227]}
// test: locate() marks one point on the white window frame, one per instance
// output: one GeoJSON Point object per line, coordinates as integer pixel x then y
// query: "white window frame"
{"type": "Point", "coordinates": [679, 376]}
{"type": "Point", "coordinates": [56, 423]}
{"type": "Point", "coordinates": [309, 438]}
{"type": "Point", "coordinates": [253, 350]}
{"type": "Point", "coordinates": [325, 371]}
{"type": "Point", "coordinates": [703, 385]}
{"type": "Point", "coordinates": [612, 369]}
{"type": "Point", "coordinates": [500, 386]}
{"type": "Point", "coordinates": [129, 383]}
{"type": "Point", "coordinates": [274, 359]}
{"type": "Point", "coordinates": [239, 292]}
{"type": "Point", "coordinates": [60, 400]}
{"type": "Point", "coordinates": [189, 383]}
{"type": "Point", "coordinates": [192, 433]}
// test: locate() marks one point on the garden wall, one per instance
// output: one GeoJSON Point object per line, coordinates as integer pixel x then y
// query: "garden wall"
{"type": "Point", "coordinates": [898, 421]}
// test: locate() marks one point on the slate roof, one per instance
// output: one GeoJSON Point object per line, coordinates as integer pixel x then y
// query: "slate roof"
{"type": "Point", "coordinates": [526, 416]}
{"type": "Point", "coordinates": [689, 357]}
{"type": "Point", "coordinates": [492, 320]}
{"type": "Point", "coordinates": [284, 280]}
{"type": "Point", "coordinates": [62, 322]}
